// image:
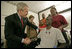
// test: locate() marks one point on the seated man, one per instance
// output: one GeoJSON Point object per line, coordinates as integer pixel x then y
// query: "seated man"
{"type": "Point", "coordinates": [50, 36]}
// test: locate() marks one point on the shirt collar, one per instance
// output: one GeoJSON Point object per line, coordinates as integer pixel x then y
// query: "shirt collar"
{"type": "Point", "coordinates": [19, 16]}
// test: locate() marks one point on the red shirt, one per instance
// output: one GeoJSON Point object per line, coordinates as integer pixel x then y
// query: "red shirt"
{"type": "Point", "coordinates": [44, 23]}
{"type": "Point", "coordinates": [42, 26]}
{"type": "Point", "coordinates": [58, 21]}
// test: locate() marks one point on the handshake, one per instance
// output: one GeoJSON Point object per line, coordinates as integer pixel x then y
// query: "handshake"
{"type": "Point", "coordinates": [26, 41]}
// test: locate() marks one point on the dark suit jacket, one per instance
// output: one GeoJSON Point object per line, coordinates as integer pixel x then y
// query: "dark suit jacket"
{"type": "Point", "coordinates": [14, 31]}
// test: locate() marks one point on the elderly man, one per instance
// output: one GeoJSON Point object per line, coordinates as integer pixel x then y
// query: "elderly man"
{"type": "Point", "coordinates": [15, 26]}
{"type": "Point", "coordinates": [50, 36]}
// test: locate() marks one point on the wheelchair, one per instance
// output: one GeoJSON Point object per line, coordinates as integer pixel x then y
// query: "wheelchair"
{"type": "Point", "coordinates": [33, 44]}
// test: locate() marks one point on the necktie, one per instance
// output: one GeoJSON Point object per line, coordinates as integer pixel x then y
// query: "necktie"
{"type": "Point", "coordinates": [22, 22]}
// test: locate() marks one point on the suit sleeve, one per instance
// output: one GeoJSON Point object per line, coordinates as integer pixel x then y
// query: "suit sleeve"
{"type": "Point", "coordinates": [9, 31]}
{"type": "Point", "coordinates": [30, 24]}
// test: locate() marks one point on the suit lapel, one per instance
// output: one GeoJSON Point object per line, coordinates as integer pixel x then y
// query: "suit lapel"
{"type": "Point", "coordinates": [18, 21]}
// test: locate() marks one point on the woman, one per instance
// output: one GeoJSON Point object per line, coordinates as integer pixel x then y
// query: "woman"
{"type": "Point", "coordinates": [59, 22]}
{"type": "Point", "coordinates": [32, 34]}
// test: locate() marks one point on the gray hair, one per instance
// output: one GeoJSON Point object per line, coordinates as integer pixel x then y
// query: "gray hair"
{"type": "Point", "coordinates": [21, 5]}
{"type": "Point", "coordinates": [49, 16]}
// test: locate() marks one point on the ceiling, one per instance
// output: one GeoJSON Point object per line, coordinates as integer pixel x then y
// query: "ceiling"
{"type": "Point", "coordinates": [36, 6]}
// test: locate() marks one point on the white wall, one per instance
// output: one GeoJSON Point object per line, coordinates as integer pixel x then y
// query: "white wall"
{"type": "Point", "coordinates": [8, 9]}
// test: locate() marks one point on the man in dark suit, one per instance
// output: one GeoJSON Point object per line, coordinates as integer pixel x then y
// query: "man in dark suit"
{"type": "Point", "coordinates": [15, 26]}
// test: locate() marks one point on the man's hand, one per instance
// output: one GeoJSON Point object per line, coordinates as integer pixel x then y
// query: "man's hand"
{"type": "Point", "coordinates": [60, 27]}
{"type": "Point", "coordinates": [63, 26]}
{"type": "Point", "coordinates": [62, 45]}
{"type": "Point", "coordinates": [27, 41]}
